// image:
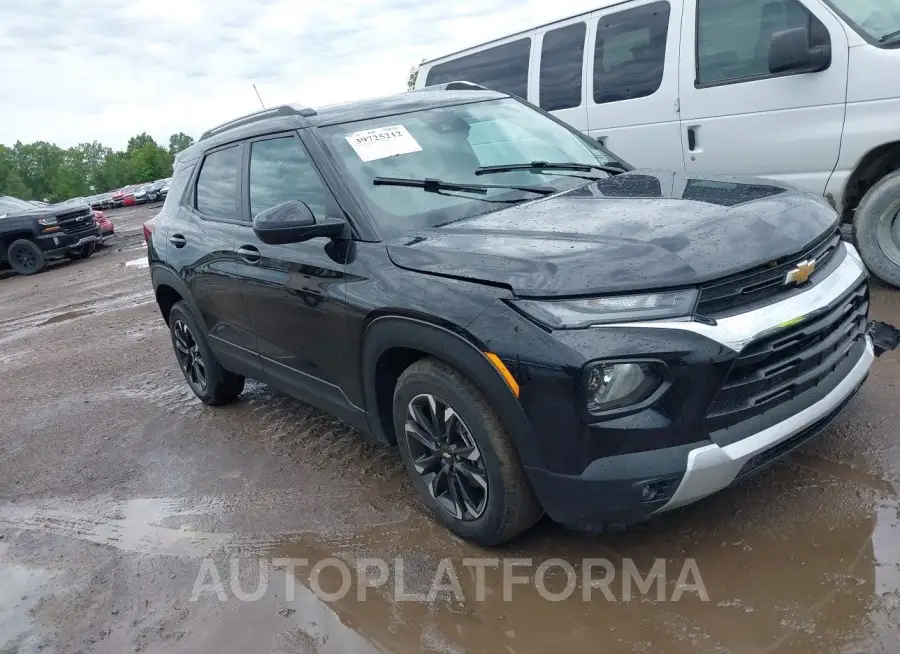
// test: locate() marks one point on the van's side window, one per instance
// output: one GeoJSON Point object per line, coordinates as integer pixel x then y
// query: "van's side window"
{"type": "Point", "coordinates": [562, 54]}
{"type": "Point", "coordinates": [733, 36]}
{"type": "Point", "coordinates": [503, 68]}
{"type": "Point", "coordinates": [630, 53]}
{"type": "Point", "coordinates": [218, 183]}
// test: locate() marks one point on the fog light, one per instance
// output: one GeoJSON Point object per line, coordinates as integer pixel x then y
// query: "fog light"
{"type": "Point", "coordinates": [648, 493]}
{"type": "Point", "coordinates": [617, 385]}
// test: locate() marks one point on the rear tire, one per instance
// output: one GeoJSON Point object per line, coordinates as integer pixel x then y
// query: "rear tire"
{"type": "Point", "coordinates": [25, 257]}
{"type": "Point", "coordinates": [876, 227]}
{"type": "Point", "coordinates": [210, 382]}
{"type": "Point", "coordinates": [481, 494]}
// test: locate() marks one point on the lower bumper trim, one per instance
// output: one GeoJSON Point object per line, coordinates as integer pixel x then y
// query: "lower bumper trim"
{"type": "Point", "coordinates": [711, 468]}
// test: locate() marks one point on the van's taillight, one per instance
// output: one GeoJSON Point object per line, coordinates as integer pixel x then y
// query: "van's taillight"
{"type": "Point", "coordinates": [148, 231]}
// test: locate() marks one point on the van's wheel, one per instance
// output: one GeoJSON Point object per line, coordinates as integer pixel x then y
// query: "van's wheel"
{"type": "Point", "coordinates": [25, 257]}
{"type": "Point", "coordinates": [877, 229]}
{"type": "Point", "coordinates": [82, 251]}
{"type": "Point", "coordinates": [207, 378]}
{"type": "Point", "coordinates": [462, 462]}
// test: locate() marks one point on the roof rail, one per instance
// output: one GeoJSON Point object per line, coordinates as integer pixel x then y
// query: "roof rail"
{"type": "Point", "coordinates": [458, 85]}
{"type": "Point", "coordinates": [263, 114]}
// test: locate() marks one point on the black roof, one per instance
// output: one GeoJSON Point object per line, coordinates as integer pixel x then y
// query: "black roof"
{"type": "Point", "coordinates": [336, 114]}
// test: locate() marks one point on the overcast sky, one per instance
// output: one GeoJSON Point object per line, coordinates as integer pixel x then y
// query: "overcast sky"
{"type": "Point", "coordinates": [84, 70]}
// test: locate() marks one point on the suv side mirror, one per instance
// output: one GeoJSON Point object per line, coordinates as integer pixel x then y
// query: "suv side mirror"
{"type": "Point", "coordinates": [789, 51]}
{"type": "Point", "coordinates": [293, 222]}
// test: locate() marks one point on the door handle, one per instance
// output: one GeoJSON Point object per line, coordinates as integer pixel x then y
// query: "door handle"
{"type": "Point", "coordinates": [177, 240]}
{"type": "Point", "coordinates": [692, 138]}
{"type": "Point", "coordinates": [249, 254]}
{"type": "Point", "coordinates": [602, 140]}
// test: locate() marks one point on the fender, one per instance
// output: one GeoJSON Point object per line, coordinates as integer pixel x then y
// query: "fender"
{"type": "Point", "coordinates": [160, 274]}
{"type": "Point", "coordinates": [387, 332]}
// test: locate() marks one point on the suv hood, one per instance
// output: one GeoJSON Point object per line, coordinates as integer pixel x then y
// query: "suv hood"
{"type": "Point", "coordinates": [638, 230]}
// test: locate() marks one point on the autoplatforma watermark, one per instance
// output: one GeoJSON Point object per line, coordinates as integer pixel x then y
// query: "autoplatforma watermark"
{"type": "Point", "coordinates": [555, 580]}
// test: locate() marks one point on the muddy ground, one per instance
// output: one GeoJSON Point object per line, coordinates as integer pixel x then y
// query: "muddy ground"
{"type": "Point", "coordinates": [118, 489]}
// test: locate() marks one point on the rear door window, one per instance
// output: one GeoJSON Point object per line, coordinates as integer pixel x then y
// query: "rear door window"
{"type": "Point", "coordinates": [503, 68]}
{"type": "Point", "coordinates": [630, 53]}
{"type": "Point", "coordinates": [562, 55]}
{"type": "Point", "coordinates": [218, 185]}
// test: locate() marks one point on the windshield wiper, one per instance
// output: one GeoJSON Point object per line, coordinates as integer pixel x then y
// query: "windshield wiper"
{"type": "Point", "coordinates": [889, 36]}
{"type": "Point", "coordinates": [538, 166]}
{"type": "Point", "coordinates": [437, 185]}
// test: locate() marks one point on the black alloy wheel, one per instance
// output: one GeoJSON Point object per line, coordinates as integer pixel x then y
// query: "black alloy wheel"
{"type": "Point", "coordinates": [446, 456]}
{"type": "Point", "coordinates": [25, 257]}
{"type": "Point", "coordinates": [187, 350]}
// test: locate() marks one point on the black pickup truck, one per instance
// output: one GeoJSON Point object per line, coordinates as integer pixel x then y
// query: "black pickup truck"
{"type": "Point", "coordinates": [30, 236]}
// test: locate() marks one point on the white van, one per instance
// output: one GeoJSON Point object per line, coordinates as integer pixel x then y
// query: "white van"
{"type": "Point", "coordinates": [803, 91]}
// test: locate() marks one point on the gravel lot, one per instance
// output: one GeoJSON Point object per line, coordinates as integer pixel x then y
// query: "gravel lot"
{"type": "Point", "coordinates": [118, 488]}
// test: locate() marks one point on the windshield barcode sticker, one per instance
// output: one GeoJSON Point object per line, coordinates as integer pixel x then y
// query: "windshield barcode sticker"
{"type": "Point", "coordinates": [383, 142]}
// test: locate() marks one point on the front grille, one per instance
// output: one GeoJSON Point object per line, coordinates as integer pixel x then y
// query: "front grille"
{"type": "Point", "coordinates": [786, 446]}
{"type": "Point", "coordinates": [83, 222]}
{"type": "Point", "coordinates": [776, 368]}
{"type": "Point", "coordinates": [740, 292]}
{"type": "Point", "coordinates": [78, 213]}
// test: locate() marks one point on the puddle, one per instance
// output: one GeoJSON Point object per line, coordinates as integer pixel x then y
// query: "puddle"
{"type": "Point", "coordinates": [69, 315]}
{"type": "Point", "coordinates": [95, 302]}
{"type": "Point", "coordinates": [18, 596]}
{"type": "Point", "coordinates": [133, 526]}
{"type": "Point", "coordinates": [142, 262]}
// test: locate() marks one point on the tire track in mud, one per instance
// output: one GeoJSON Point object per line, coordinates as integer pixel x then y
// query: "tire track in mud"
{"type": "Point", "coordinates": [308, 434]}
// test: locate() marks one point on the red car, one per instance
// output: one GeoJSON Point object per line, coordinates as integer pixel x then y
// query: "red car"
{"type": "Point", "coordinates": [107, 229]}
{"type": "Point", "coordinates": [123, 197]}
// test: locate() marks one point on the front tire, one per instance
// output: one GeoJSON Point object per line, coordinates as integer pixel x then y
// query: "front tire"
{"type": "Point", "coordinates": [82, 251]}
{"type": "Point", "coordinates": [876, 226]}
{"type": "Point", "coordinates": [25, 257]}
{"type": "Point", "coordinates": [459, 457]}
{"type": "Point", "coordinates": [210, 382]}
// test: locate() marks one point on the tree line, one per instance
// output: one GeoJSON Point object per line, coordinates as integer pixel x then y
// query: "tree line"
{"type": "Point", "coordinates": [45, 171]}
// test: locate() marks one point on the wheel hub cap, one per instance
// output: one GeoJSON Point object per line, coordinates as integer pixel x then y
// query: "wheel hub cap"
{"type": "Point", "coordinates": [446, 457]}
{"type": "Point", "coordinates": [189, 357]}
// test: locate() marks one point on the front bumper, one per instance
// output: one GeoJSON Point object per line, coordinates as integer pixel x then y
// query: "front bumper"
{"type": "Point", "coordinates": [664, 457]}
{"type": "Point", "coordinates": [710, 468]}
{"type": "Point", "coordinates": [59, 243]}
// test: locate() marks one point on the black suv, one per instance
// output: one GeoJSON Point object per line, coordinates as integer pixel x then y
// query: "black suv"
{"type": "Point", "coordinates": [30, 236]}
{"type": "Point", "coordinates": [539, 328]}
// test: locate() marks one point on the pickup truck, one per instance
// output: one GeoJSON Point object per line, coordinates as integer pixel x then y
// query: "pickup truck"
{"type": "Point", "coordinates": [31, 236]}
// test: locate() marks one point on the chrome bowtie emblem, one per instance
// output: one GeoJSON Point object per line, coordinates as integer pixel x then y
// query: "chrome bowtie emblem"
{"type": "Point", "coordinates": [800, 274]}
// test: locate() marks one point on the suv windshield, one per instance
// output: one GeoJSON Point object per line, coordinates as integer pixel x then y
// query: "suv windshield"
{"type": "Point", "coordinates": [9, 204]}
{"type": "Point", "coordinates": [879, 20]}
{"type": "Point", "coordinates": [449, 143]}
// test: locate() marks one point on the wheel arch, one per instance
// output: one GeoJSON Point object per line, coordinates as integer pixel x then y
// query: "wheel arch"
{"type": "Point", "coordinates": [876, 164]}
{"type": "Point", "coordinates": [393, 343]}
{"type": "Point", "coordinates": [168, 289]}
{"type": "Point", "coordinates": [7, 239]}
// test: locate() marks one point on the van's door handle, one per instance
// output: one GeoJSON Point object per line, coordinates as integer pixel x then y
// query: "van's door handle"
{"type": "Point", "coordinates": [177, 240]}
{"type": "Point", "coordinates": [692, 138]}
{"type": "Point", "coordinates": [602, 140]}
{"type": "Point", "coordinates": [249, 254]}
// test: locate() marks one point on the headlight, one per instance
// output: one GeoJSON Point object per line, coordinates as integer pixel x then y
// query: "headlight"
{"type": "Point", "coordinates": [47, 221]}
{"type": "Point", "coordinates": [572, 314]}
{"type": "Point", "coordinates": [613, 385]}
